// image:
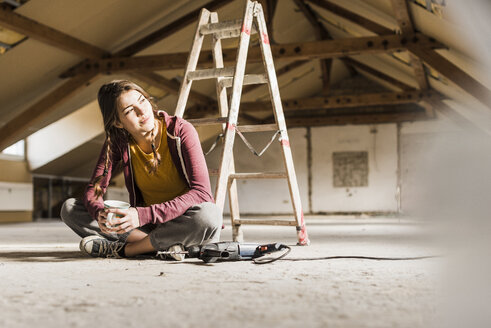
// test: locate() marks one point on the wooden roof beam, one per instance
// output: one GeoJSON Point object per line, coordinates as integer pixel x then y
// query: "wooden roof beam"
{"type": "Point", "coordinates": [444, 67]}
{"type": "Point", "coordinates": [291, 51]}
{"type": "Point", "coordinates": [435, 103]}
{"type": "Point", "coordinates": [453, 73]}
{"type": "Point", "coordinates": [48, 35]}
{"type": "Point", "coordinates": [10, 132]}
{"type": "Point", "coordinates": [161, 33]}
{"type": "Point", "coordinates": [353, 17]}
{"type": "Point", "coordinates": [170, 86]}
{"type": "Point", "coordinates": [279, 72]}
{"type": "Point", "coordinates": [378, 118]}
{"type": "Point", "coordinates": [378, 74]}
{"type": "Point", "coordinates": [169, 29]}
{"type": "Point", "coordinates": [331, 102]}
{"type": "Point", "coordinates": [322, 34]}
{"type": "Point", "coordinates": [401, 11]}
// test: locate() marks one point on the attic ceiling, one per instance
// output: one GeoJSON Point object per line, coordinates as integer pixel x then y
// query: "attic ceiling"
{"type": "Point", "coordinates": [373, 61]}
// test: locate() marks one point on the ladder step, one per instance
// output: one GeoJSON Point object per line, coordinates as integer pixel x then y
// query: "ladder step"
{"type": "Point", "coordinates": [266, 222]}
{"type": "Point", "coordinates": [210, 73]}
{"type": "Point", "coordinates": [233, 26]}
{"type": "Point", "coordinates": [257, 128]}
{"type": "Point", "coordinates": [207, 121]}
{"type": "Point", "coordinates": [248, 79]}
{"type": "Point", "coordinates": [258, 175]}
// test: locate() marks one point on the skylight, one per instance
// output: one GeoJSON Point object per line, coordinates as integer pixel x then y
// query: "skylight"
{"type": "Point", "coordinates": [17, 150]}
{"type": "Point", "coordinates": [9, 38]}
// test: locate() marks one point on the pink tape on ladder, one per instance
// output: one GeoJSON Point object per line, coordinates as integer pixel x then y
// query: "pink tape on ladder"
{"type": "Point", "coordinates": [265, 38]}
{"type": "Point", "coordinates": [303, 237]}
{"type": "Point", "coordinates": [245, 30]}
{"type": "Point", "coordinates": [230, 127]}
{"type": "Point", "coordinates": [285, 143]}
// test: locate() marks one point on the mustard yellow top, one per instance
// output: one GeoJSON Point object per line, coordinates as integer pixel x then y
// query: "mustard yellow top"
{"type": "Point", "coordinates": [163, 185]}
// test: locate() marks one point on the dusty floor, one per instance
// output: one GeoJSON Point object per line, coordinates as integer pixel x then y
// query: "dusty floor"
{"type": "Point", "coordinates": [46, 282]}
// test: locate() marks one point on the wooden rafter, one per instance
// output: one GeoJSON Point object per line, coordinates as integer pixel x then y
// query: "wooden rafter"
{"type": "Point", "coordinates": [435, 103]}
{"type": "Point", "coordinates": [353, 17]}
{"type": "Point", "coordinates": [454, 74]}
{"type": "Point", "coordinates": [170, 86]}
{"type": "Point", "coordinates": [161, 33]}
{"type": "Point", "coordinates": [356, 119]}
{"type": "Point", "coordinates": [331, 102]}
{"type": "Point", "coordinates": [169, 29]}
{"type": "Point", "coordinates": [403, 16]}
{"type": "Point", "coordinates": [279, 72]}
{"type": "Point", "coordinates": [401, 85]}
{"type": "Point", "coordinates": [10, 132]}
{"type": "Point", "coordinates": [13, 129]}
{"type": "Point", "coordinates": [431, 57]}
{"type": "Point", "coordinates": [321, 34]}
{"type": "Point", "coordinates": [291, 51]}
{"type": "Point", "coordinates": [47, 35]}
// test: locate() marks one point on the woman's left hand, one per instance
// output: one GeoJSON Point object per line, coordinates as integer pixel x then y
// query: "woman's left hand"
{"type": "Point", "coordinates": [125, 220]}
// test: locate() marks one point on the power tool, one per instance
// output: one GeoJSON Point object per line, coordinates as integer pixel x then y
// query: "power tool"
{"type": "Point", "coordinates": [234, 251]}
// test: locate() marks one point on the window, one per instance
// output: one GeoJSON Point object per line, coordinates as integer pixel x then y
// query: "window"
{"type": "Point", "coordinates": [16, 151]}
{"type": "Point", "coordinates": [9, 38]}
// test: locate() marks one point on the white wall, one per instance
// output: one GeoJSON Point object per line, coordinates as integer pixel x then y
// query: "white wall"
{"type": "Point", "coordinates": [380, 141]}
{"type": "Point", "coordinates": [16, 196]}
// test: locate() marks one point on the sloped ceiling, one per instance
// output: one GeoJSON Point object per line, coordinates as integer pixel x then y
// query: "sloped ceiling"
{"type": "Point", "coordinates": [31, 70]}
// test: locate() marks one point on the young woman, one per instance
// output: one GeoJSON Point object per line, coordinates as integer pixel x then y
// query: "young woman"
{"type": "Point", "coordinates": [165, 173]}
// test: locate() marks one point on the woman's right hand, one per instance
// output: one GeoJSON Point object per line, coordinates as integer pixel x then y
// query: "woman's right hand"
{"type": "Point", "coordinates": [102, 221]}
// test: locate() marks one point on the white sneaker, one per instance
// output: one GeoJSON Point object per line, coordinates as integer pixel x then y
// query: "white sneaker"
{"type": "Point", "coordinates": [97, 246]}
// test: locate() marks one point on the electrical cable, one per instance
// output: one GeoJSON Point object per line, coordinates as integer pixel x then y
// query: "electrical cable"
{"type": "Point", "coordinates": [266, 259]}
{"type": "Point", "coordinates": [363, 258]}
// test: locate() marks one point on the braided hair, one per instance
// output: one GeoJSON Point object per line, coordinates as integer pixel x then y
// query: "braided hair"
{"type": "Point", "coordinates": [107, 97]}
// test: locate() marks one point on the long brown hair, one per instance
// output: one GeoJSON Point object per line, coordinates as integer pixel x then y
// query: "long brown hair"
{"type": "Point", "coordinates": [107, 97]}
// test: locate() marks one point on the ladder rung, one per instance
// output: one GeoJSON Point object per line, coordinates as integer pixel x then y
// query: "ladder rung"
{"type": "Point", "coordinates": [258, 175]}
{"type": "Point", "coordinates": [227, 34]}
{"type": "Point", "coordinates": [257, 128]}
{"type": "Point", "coordinates": [248, 79]}
{"type": "Point", "coordinates": [266, 222]}
{"type": "Point", "coordinates": [207, 121]}
{"type": "Point", "coordinates": [210, 73]}
{"type": "Point", "coordinates": [233, 25]}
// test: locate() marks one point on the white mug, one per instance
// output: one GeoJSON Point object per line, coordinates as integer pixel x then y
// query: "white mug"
{"type": "Point", "coordinates": [114, 204]}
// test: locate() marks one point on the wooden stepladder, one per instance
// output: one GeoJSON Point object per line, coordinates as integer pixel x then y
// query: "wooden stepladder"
{"type": "Point", "coordinates": [253, 22]}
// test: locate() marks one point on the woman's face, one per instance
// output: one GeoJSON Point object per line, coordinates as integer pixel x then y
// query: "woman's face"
{"type": "Point", "coordinates": [135, 113]}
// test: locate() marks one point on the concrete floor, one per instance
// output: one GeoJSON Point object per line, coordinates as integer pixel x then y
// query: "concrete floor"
{"type": "Point", "coordinates": [46, 282]}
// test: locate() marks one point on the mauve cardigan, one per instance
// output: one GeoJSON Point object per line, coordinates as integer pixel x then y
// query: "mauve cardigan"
{"type": "Point", "coordinates": [187, 155]}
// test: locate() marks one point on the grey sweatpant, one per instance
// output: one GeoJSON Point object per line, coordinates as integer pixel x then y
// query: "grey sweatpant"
{"type": "Point", "coordinates": [200, 224]}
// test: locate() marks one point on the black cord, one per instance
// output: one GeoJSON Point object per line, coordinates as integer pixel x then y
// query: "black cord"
{"type": "Point", "coordinates": [363, 258]}
{"type": "Point", "coordinates": [265, 259]}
